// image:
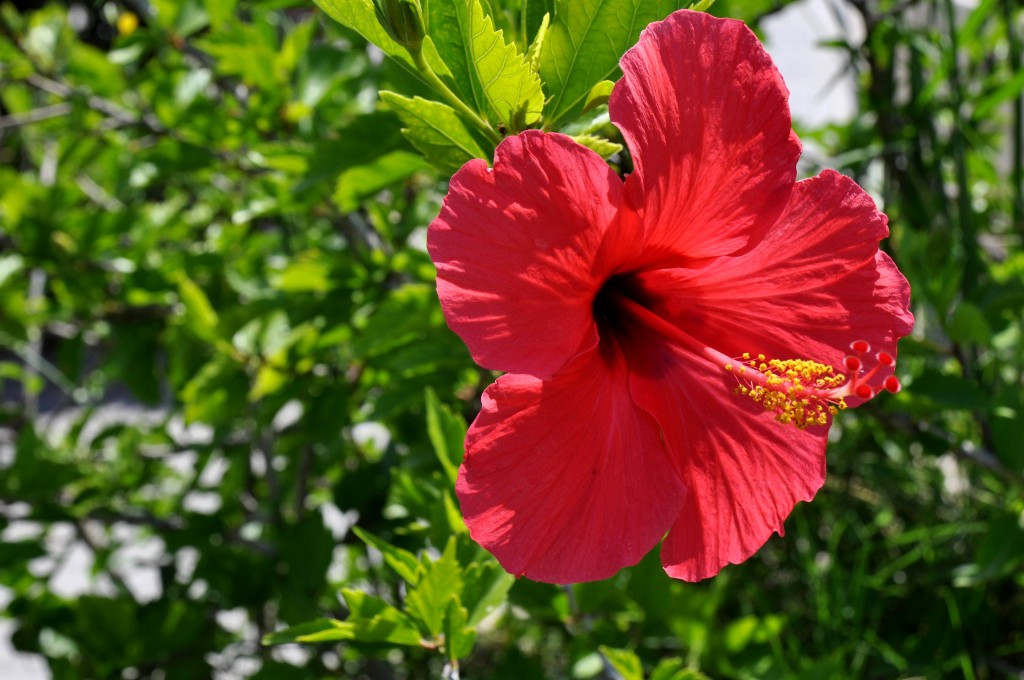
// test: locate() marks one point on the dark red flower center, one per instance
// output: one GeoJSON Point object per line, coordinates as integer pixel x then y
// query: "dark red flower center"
{"type": "Point", "coordinates": [801, 392]}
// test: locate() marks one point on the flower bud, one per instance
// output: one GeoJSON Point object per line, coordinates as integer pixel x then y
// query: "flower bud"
{"type": "Point", "coordinates": [403, 21]}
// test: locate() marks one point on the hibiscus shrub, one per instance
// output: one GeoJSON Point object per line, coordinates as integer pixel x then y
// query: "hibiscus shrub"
{"type": "Point", "coordinates": [400, 339]}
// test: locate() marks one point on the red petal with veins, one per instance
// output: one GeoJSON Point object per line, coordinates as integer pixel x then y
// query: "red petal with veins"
{"type": "Point", "coordinates": [706, 117]}
{"type": "Point", "coordinates": [815, 282]}
{"type": "Point", "coordinates": [566, 480]}
{"type": "Point", "coordinates": [515, 246]}
{"type": "Point", "coordinates": [744, 471]}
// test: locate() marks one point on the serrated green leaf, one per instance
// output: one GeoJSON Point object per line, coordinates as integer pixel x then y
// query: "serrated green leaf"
{"type": "Point", "coordinates": [436, 131]}
{"type": "Point", "coordinates": [537, 46]}
{"type": "Point", "coordinates": [441, 580]}
{"type": "Point", "coordinates": [625, 662]}
{"type": "Point", "coordinates": [510, 87]}
{"type": "Point", "coordinates": [486, 588]}
{"type": "Point", "coordinates": [458, 637]}
{"type": "Point", "coordinates": [355, 184]}
{"type": "Point", "coordinates": [447, 433]}
{"type": "Point", "coordinates": [601, 146]}
{"type": "Point", "coordinates": [584, 44]}
{"type": "Point", "coordinates": [448, 25]}
{"type": "Point", "coordinates": [403, 562]}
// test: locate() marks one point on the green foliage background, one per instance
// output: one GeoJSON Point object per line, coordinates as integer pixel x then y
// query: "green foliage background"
{"type": "Point", "coordinates": [220, 338]}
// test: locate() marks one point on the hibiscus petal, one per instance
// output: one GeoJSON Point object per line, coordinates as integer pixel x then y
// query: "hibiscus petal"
{"type": "Point", "coordinates": [814, 283]}
{"type": "Point", "coordinates": [706, 117]}
{"type": "Point", "coordinates": [566, 480]}
{"type": "Point", "coordinates": [743, 470]}
{"type": "Point", "coordinates": [515, 249]}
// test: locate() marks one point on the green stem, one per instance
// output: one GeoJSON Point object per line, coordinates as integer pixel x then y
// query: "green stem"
{"type": "Point", "coordinates": [452, 98]}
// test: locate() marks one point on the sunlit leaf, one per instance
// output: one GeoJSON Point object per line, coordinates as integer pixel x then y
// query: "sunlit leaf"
{"type": "Point", "coordinates": [583, 46]}
{"type": "Point", "coordinates": [436, 130]}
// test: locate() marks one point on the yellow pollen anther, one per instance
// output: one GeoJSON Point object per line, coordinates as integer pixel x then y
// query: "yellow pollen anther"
{"type": "Point", "coordinates": [800, 392]}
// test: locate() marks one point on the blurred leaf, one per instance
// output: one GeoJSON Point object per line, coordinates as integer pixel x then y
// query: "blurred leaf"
{"type": "Point", "coordinates": [200, 318]}
{"type": "Point", "coordinates": [949, 391]}
{"type": "Point", "coordinates": [363, 181]}
{"type": "Point", "coordinates": [486, 588]}
{"type": "Point", "coordinates": [458, 637]}
{"type": "Point", "coordinates": [388, 626]}
{"type": "Point", "coordinates": [9, 266]}
{"type": "Point", "coordinates": [626, 663]}
{"type": "Point", "coordinates": [220, 12]}
{"type": "Point", "coordinates": [674, 669]}
{"type": "Point", "coordinates": [402, 561]}
{"type": "Point", "coordinates": [447, 432]}
{"type": "Point", "coordinates": [969, 325]}
{"type": "Point", "coordinates": [307, 273]}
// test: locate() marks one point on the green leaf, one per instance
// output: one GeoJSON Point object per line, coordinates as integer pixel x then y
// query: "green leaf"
{"type": "Point", "coordinates": [9, 266]}
{"type": "Point", "coordinates": [456, 524]}
{"type": "Point", "coordinates": [584, 44]}
{"type": "Point", "coordinates": [441, 580]}
{"type": "Point", "coordinates": [448, 25]}
{"type": "Point", "coordinates": [674, 669]}
{"type": "Point", "coordinates": [403, 562]}
{"type": "Point", "coordinates": [391, 626]}
{"type": "Point", "coordinates": [950, 391]}
{"type": "Point", "coordinates": [447, 432]}
{"type": "Point", "coordinates": [511, 88]}
{"type": "Point", "coordinates": [599, 94]}
{"type": "Point", "coordinates": [357, 183]}
{"type": "Point", "coordinates": [220, 12]}
{"type": "Point", "coordinates": [311, 631]}
{"type": "Point", "coordinates": [200, 317]}
{"type": "Point", "coordinates": [360, 16]}
{"type": "Point", "coordinates": [436, 131]}
{"type": "Point", "coordinates": [625, 662]}
{"type": "Point", "coordinates": [458, 637]}
{"type": "Point", "coordinates": [969, 325]}
{"type": "Point", "coordinates": [601, 146]}
{"type": "Point", "coordinates": [307, 273]}
{"type": "Point", "coordinates": [537, 46]}
{"type": "Point", "coordinates": [486, 588]}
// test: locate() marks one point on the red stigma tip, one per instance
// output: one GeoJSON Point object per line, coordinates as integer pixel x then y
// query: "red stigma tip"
{"type": "Point", "coordinates": [892, 384]}
{"type": "Point", "coordinates": [860, 346]}
{"type": "Point", "coordinates": [852, 363]}
{"type": "Point", "coordinates": [886, 359]}
{"type": "Point", "coordinates": [864, 391]}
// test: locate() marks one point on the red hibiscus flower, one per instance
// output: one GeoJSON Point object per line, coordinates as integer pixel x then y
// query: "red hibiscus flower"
{"type": "Point", "coordinates": [675, 344]}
